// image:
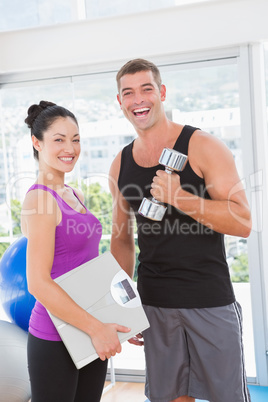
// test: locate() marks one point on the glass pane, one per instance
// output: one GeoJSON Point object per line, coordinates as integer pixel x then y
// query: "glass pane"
{"type": "Point", "coordinates": [102, 8]}
{"type": "Point", "coordinates": [17, 14]}
{"type": "Point", "coordinates": [266, 73]}
{"type": "Point", "coordinates": [207, 97]}
{"type": "Point", "coordinates": [103, 129]}
{"type": "Point", "coordinates": [18, 172]}
{"type": "Point", "coordinates": [18, 168]}
{"type": "Point", "coordinates": [104, 132]}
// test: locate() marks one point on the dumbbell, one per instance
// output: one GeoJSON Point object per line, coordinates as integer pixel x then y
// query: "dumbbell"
{"type": "Point", "coordinates": [173, 161]}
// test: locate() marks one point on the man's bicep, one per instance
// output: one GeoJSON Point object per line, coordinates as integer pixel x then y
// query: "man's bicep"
{"type": "Point", "coordinates": [221, 176]}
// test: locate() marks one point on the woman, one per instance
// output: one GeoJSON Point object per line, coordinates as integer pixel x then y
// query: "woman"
{"type": "Point", "coordinates": [53, 216]}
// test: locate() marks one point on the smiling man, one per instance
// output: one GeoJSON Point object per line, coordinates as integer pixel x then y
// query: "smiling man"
{"type": "Point", "coordinates": [193, 348]}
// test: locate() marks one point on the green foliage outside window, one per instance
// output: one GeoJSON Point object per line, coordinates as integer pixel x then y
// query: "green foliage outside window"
{"type": "Point", "coordinates": [15, 214]}
{"type": "Point", "coordinates": [239, 268]}
{"type": "Point", "coordinates": [3, 246]}
{"type": "Point", "coordinates": [99, 202]}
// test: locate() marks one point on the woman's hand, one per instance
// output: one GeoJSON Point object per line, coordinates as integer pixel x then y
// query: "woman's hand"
{"type": "Point", "coordinates": [105, 339]}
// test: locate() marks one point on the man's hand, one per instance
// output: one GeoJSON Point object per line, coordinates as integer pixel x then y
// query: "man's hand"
{"type": "Point", "coordinates": [166, 186]}
{"type": "Point", "coordinates": [136, 340]}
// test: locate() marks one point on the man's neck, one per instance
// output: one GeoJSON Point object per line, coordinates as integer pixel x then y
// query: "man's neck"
{"type": "Point", "coordinates": [150, 143]}
{"type": "Point", "coordinates": [159, 135]}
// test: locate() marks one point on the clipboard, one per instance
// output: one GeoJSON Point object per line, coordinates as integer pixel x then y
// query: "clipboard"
{"type": "Point", "coordinates": [104, 290]}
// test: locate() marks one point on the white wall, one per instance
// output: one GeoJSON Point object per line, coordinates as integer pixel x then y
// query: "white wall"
{"type": "Point", "coordinates": [97, 45]}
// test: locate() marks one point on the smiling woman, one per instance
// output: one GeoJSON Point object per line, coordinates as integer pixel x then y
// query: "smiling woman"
{"type": "Point", "coordinates": [61, 142]}
{"type": "Point", "coordinates": [55, 121]}
{"type": "Point", "coordinates": [62, 234]}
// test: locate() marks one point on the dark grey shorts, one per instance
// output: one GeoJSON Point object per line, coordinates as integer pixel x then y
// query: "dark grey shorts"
{"type": "Point", "coordinates": [195, 352]}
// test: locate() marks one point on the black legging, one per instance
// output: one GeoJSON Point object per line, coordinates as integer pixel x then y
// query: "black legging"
{"type": "Point", "coordinates": [54, 377]}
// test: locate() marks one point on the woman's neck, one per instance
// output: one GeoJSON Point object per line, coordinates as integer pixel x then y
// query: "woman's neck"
{"type": "Point", "coordinates": [51, 180]}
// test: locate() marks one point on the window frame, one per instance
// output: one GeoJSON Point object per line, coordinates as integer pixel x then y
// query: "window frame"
{"type": "Point", "coordinates": [254, 128]}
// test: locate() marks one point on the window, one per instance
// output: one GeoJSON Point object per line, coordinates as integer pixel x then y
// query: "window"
{"type": "Point", "coordinates": [266, 74]}
{"type": "Point", "coordinates": [18, 14]}
{"type": "Point", "coordinates": [18, 169]}
{"type": "Point", "coordinates": [99, 154]}
{"type": "Point", "coordinates": [104, 8]}
{"type": "Point", "coordinates": [205, 95]}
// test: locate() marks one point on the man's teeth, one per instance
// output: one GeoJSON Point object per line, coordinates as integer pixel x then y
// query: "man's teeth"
{"type": "Point", "coordinates": [141, 111]}
{"type": "Point", "coordinates": [144, 109]}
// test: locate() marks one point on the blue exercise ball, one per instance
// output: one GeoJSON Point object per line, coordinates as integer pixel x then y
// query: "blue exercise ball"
{"type": "Point", "coordinates": [17, 302]}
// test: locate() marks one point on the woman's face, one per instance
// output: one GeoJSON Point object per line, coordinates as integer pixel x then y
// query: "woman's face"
{"type": "Point", "coordinates": [60, 148]}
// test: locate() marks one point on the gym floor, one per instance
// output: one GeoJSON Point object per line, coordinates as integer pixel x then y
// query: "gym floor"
{"type": "Point", "coordinates": [134, 392]}
{"type": "Point", "coordinates": [257, 393]}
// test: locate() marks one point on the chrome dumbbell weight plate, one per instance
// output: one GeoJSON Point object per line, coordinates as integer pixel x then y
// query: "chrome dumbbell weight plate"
{"type": "Point", "coordinates": [152, 209]}
{"type": "Point", "coordinates": [173, 161]}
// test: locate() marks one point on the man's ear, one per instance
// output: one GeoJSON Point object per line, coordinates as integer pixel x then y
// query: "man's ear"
{"type": "Point", "coordinates": [163, 92]}
{"type": "Point", "coordinates": [119, 101]}
{"type": "Point", "coordinates": [36, 143]}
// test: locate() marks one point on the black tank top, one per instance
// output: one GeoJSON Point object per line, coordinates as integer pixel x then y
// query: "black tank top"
{"type": "Point", "coordinates": [182, 263]}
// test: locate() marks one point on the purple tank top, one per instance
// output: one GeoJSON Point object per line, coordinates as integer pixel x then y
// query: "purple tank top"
{"type": "Point", "coordinates": [77, 240]}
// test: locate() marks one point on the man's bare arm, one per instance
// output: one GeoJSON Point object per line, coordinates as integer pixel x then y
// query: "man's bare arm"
{"type": "Point", "coordinates": [122, 240]}
{"type": "Point", "coordinates": [228, 210]}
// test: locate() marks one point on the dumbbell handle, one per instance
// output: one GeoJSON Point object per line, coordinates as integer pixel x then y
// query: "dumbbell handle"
{"type": "Point", "coordinates": [169, 171]}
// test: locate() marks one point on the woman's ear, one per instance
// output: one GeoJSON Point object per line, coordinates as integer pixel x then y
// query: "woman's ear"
{"type": "Point", "coordinates": [36, 143]}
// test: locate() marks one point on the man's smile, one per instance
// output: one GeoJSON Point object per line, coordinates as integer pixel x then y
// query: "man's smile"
{"type": "Point", "coordinates": [141, 111]}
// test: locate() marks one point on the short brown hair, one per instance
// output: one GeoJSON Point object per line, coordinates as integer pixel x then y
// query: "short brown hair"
{"type": "Point", "coordinates": [137, 65]}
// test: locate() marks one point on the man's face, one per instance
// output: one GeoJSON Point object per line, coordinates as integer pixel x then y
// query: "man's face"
{"type": "Point", "coordinates": [141, 99]}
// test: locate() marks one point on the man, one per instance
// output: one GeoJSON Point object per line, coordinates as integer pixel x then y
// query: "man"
{"type": "Point", "coordinates": [193, 348]}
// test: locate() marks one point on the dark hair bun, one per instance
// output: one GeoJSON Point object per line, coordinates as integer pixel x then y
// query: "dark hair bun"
{"type": "Point", "coordinates": [35, 110]}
